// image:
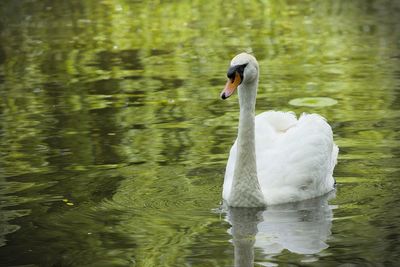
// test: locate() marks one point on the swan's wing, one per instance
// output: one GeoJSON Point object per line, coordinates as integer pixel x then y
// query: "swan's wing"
{"type": "Point", "coordinates": [269, 128]}
{"type": "Point", "coordinates": [296, 160]}
{"type": "Point", "coordinates": [230, 166]}
{"type": "Point", "coordinates": [311, 148]}
{"type": "Point", "coordinates": [278, 121]}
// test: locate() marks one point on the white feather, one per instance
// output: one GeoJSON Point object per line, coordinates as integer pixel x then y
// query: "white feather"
{"type": "Point", "coordinates": [295, 158]}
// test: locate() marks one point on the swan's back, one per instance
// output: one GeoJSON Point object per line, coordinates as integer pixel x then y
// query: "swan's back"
{"type": "Point", "coordinates": [295, 157]}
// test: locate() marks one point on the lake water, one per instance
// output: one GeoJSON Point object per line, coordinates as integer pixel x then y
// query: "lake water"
{"type": "Point", "coordinates": [113, 139]}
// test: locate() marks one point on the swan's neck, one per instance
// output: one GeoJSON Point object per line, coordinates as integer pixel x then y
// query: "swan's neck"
{"type": "Point", "coordinates": [246, 190]}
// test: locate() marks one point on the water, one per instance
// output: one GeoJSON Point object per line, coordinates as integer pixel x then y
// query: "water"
{"type": "Point", "coordinates": [113, 140]}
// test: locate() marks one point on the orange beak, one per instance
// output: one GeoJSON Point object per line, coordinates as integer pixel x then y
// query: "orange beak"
{"type": "Point", "coordinates": [231, 86]}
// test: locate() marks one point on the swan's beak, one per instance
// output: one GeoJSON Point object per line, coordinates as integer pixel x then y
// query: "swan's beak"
{"type": "Point", "coordinates": [231, 86]}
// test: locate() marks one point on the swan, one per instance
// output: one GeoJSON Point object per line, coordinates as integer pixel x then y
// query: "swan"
{"type": "Point", "coordinates": [276, 157]}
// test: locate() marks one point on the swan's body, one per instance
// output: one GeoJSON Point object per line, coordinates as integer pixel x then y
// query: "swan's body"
{"type": "Point", "coordinates": [276, 158]}
{"type": "Point", "coordinates": [295, 158]}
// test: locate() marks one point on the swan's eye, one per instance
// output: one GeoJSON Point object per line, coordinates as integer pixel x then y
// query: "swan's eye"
{"type": "Point", "coordinates": [237, 68]}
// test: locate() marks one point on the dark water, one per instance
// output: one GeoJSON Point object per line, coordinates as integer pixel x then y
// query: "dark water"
{"type": "Point", "coordinates": [113, 141]}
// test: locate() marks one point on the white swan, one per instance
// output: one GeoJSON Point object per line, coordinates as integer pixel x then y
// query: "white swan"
{"type": "Point", "coordinates": [276, 158]}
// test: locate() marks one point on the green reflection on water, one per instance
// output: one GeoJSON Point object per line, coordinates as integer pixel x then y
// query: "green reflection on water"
{"type": "Point", "coordinates": [313, 102]}
{"type": "Point", "coordinates": [113, 106]}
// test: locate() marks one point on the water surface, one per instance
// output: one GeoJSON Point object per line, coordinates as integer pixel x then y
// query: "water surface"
{"type": "Point", "coordinates": [113, 140]}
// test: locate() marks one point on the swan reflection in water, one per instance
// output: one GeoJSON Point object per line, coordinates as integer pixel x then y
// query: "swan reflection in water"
{"type": "Point", "coordinates": [300, 227]}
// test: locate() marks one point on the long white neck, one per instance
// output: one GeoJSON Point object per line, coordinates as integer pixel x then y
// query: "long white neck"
{"type": "Point", "coordinates": [246, 190]}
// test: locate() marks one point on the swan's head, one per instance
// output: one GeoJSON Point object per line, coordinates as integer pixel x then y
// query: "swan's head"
{"type": "Point", "coordinates": [243, 70]}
